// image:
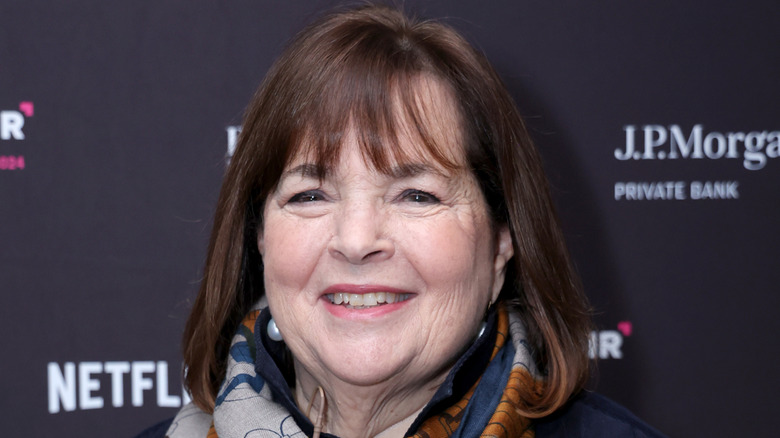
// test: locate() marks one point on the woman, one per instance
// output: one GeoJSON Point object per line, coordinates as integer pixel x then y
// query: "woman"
{"type": "Point", "coordinates": [385, 260]}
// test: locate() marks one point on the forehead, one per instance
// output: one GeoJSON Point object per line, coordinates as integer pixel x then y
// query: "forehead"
{"type": "Point", "coordinates": [417, 126]}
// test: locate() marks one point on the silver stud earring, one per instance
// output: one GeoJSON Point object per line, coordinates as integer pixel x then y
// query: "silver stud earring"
{"type": "Point", "coordinates": [273, 331]}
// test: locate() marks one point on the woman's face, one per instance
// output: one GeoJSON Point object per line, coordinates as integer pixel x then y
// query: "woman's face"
{"type": "Point", "coordinates": [375, 277]}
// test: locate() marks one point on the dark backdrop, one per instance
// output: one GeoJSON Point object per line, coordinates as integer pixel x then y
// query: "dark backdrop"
{"type": "Point", "coordinates": [658, 122]}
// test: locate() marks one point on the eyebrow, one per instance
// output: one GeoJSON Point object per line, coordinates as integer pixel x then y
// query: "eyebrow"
{"type": "Point", "coordinates": [412, 169]}
{"type": "Point", "coordinates": [408, 170]}
{"type": "Point", "coordinates": [306, 170]}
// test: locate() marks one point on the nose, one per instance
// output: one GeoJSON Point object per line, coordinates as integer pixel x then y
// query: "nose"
{"type": "Point", "coordinates": [361, 234]}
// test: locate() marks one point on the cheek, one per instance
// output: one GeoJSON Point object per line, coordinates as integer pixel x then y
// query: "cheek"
{"type": "Point", "coordinates": [455, 253]}
{"type": "Point", "coordinates": [290, 253]}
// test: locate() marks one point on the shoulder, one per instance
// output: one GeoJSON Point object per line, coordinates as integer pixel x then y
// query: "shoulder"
{"type": "Point", "coordinates": [189, 421]}
{"type": "Point", "coordinates": [156, 431]}
{"type": "Point", "coordinates": [591, 414]}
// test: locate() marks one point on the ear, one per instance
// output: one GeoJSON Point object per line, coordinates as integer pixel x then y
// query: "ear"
{"type": "Point", "coordinates": [260, 242]}
{"type": "Point", "coordinates": [504, 252]}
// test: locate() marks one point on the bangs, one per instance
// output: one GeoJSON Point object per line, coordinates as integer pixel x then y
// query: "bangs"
{"type": "Point", "coordinates": [383, 92]}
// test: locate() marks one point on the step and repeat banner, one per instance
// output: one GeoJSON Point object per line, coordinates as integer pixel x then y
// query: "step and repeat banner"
{"type": "Point", "coordinates": [658, 122]}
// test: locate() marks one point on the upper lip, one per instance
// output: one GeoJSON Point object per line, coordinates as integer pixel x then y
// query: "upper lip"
{"type": "Point", "coordinates": [362, 289]}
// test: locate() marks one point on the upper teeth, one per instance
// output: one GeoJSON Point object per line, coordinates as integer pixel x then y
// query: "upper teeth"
{"type": "Point", "coordinates": [369, 299]}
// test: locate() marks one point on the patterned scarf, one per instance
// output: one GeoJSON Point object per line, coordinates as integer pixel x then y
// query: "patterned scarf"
{"type": "Point", "coordinates": [245, 406]}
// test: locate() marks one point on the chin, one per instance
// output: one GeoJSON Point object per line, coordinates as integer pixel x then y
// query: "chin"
{"type": "Point", "coordinates": [366, 365]}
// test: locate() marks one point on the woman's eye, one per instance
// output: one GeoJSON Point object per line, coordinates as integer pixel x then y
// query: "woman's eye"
{"type": "Point", "coordinates": [418, 196]}
{"type": "Point", "coordinates": [307, 196]}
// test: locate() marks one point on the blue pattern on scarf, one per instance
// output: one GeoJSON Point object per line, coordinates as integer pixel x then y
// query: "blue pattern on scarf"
{"type": "Point", "coordinates": [241, 352]}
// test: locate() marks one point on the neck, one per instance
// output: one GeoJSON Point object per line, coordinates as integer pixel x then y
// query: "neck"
{"type": "Point", "coordinates": [355, 411]}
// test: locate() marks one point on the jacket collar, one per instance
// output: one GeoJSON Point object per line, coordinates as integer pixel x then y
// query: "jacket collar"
{"type": "Point", "coordinates": [273, 363]}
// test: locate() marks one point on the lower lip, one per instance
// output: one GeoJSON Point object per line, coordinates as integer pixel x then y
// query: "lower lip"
{"type": "Point", "coordinates": [343, 312]}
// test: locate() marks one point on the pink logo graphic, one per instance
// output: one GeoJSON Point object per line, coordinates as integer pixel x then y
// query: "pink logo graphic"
{"type": "Point", "coordinates": [625, 327]}
{"type": "Point", "coordinates": [27, 108]}
{"type": "Point", "coordinates": [11, 162]}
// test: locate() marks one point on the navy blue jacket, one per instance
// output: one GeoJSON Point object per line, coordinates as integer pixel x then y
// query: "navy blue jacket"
{"type": "Point", "coordinates": [587, 415]}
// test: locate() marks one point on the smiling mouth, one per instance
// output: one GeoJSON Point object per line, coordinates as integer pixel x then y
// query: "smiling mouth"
{"type": "Point", "coordinates": [367, 300]}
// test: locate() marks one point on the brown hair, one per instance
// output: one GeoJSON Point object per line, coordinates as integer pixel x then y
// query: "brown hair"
{"type": "Point", "coordinates": [349, 70]}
